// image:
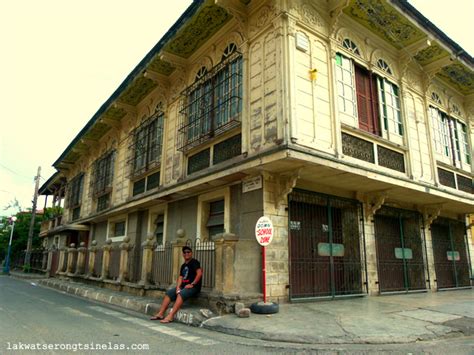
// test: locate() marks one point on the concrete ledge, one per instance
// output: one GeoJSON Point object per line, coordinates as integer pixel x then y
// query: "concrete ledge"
{"type": "Point", "coordinates": [189, 315]}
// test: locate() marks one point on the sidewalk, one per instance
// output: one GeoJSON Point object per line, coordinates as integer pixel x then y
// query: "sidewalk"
{"type": "Point", "coordinates": [372, 320]}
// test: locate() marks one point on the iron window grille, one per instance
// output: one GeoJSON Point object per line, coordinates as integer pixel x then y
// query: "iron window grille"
{"type": "Point", "coordinates": [103, 174]}
{"type": "Point", "coordinates": [465, 184]}
{"type": "Point", "coordinates": [103, 202]}
{"type": "Point", "coordinates": [213, 104]}
{"type": "Point", "coordinates": [75, 190]}
{"type": "Point", "coordinates": [446, 178]}
{"type": "Point", "coordinates": [147, 141]}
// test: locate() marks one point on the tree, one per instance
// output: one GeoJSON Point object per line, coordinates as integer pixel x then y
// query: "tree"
{"type": "Point", "coordinates": [20, 234]}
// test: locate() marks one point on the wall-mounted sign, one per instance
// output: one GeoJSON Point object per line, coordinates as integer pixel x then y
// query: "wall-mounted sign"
{"type": "Point", "coordinates": [251, 184]}
{"type": "Point", "coordinates": [295, 225]}
{"type": "Point", "coordinates": [330, 249]}
{"type": "Point", "coordinates": [264, 231]}
{"type": "Point", "coordinates": [453, 255]}
{"type": "Point", "coordinates": [403, 253]}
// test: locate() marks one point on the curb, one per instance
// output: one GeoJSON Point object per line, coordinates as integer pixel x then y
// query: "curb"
{"type": "Point", "coordinates": [190, 316]}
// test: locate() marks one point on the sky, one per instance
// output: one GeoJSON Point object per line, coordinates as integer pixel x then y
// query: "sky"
{"type": "Point", "coordinates": [61, 60]}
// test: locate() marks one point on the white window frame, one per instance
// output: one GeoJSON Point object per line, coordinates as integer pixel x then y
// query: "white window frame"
{"type": "Point", "coordinates": [111, 226]}
{"type": "Point", "coordinates": [203, 211]}
{"type": "Point", "coordinates": [344, 72]}
{"type": "Point", "coordinates": [389, 105]}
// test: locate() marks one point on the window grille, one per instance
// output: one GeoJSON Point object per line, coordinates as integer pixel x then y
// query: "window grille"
{"type": "Point", "coordinates": [227, 149]}
{"type": "Point", "coordinates": [213, 104]}
{"type": "Point", "coordinates": [139, 186]}
{"type": "Point", "coordinates": [358, 148]}
{"type": "Point", "coordinates": [199, 161]}
{"type": "Point", "coordinates": [153, 181]}
{"type": "Point", "coordinates": [103, 202]}
{"type": "Point", "coordinates": [147, 142]}
{"type": "Point", "coordinates": [215, 223]}
{"type": "Point", "coordinates": [75, 190]}
{"type": "Point", "coordinates": [446, 178]}
{"type": "Point", "coordinates": [103, 174]}
{"type": "Point", "coordinates": [391, 159]}
{"type": "Point", "coordinates": [465, 184]}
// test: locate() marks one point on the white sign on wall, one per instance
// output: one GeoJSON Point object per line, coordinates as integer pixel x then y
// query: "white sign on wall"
{"type": "Point", "coordinates": [251, 184]}
{"type": "Point", "coordinates": [264, 231]}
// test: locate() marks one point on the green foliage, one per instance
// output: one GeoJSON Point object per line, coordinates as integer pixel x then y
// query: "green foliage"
{"type": "Point", "coordinates": [26, 268]}
{"type": "Point", "coordinates": [20, 234]}
{"type": "Point", "coordinates": [52, 212]}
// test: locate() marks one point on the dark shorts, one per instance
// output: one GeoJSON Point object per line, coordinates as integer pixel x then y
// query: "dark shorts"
{"type": "Point", "coordinates": [185, 293]}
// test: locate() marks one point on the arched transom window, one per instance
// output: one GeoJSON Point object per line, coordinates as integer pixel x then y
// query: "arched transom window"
{"type": "Point", "coordinates": [350, 46]}
{"type": "Point", "coordinates": [382, 64]}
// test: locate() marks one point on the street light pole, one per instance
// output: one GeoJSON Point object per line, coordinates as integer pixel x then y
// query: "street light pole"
{"type": "Point", "coordinates": [6, 267]}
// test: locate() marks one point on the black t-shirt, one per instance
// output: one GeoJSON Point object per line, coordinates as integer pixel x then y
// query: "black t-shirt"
{"type": "Point", "coordinates": [188, 272]}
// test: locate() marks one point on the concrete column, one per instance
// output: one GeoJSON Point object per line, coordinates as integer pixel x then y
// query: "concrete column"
{"type": "Point", "coordinates": [92, 252]}
{"type": "Point", "coordinates": [124, 251]}
{"type": "Point", "coordinates": [277, 259]}
{"type": "Point", "coordinates": [106, 259]}
{"type": "Point", "coordinates": [177, 260]}
{"type": "Point", "coordinates": [50, 260]}
{"type": "Point", "coordinates": [62, 252]}
{"type": "Point", "coordinates": [72, 254]}
{"type": "Point", "coordinates": [219, 272]}
{"type": "Point", "coordinates": [81, 259]}
{"type": "Point", "coordinates": [430, 260]}
{"type": "Point", "coordinates": [230, 240]}
{"type": "Point", "coordinates": [148, 246]}
{"type": "Point", "coordinates": [371, 257]}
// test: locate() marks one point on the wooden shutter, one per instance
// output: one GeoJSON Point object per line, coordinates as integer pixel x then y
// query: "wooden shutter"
{"type": "Point", "coordinates": [367, 101]}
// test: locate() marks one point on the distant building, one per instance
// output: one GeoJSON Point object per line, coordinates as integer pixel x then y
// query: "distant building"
{"type": "Point", "coordinates": [348, 123]}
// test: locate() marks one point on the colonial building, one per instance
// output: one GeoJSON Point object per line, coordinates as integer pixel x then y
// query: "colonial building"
{"type": "Point", "coordinates": [349, 123]}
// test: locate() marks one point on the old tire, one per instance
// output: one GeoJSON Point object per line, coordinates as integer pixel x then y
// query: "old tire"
{"type": "Point", "coordinates": [264, 308]}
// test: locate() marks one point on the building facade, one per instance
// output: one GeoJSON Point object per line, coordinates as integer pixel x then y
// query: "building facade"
{"type": "Point", "coordinates": [348, 123]}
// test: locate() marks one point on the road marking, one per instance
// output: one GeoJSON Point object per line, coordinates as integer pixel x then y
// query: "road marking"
{"type": "Point", "coordinates": [157, 328]}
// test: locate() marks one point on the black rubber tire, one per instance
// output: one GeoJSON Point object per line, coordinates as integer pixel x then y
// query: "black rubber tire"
{"type": "Point", "coordinates": [264, 308]}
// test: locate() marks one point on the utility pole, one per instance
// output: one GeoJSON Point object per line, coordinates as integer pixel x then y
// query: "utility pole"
{"type": "Point", "coordinates": [33, 215]}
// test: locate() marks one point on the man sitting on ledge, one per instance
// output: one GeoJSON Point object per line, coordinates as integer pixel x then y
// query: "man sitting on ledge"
{"type": "Point", "coordinates": [188, 285]}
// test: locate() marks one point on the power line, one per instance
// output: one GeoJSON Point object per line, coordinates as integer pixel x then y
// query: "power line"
{"type": "Point", "coordinates": [14, 172]}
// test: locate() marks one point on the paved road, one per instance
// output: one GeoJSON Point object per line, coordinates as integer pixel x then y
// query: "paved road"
{"type": "Point", "coordinates": [46, 318]}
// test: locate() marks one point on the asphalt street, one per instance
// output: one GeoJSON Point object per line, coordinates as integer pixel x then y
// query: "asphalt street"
{"type": "Point", "coordinates": [52, 322]}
